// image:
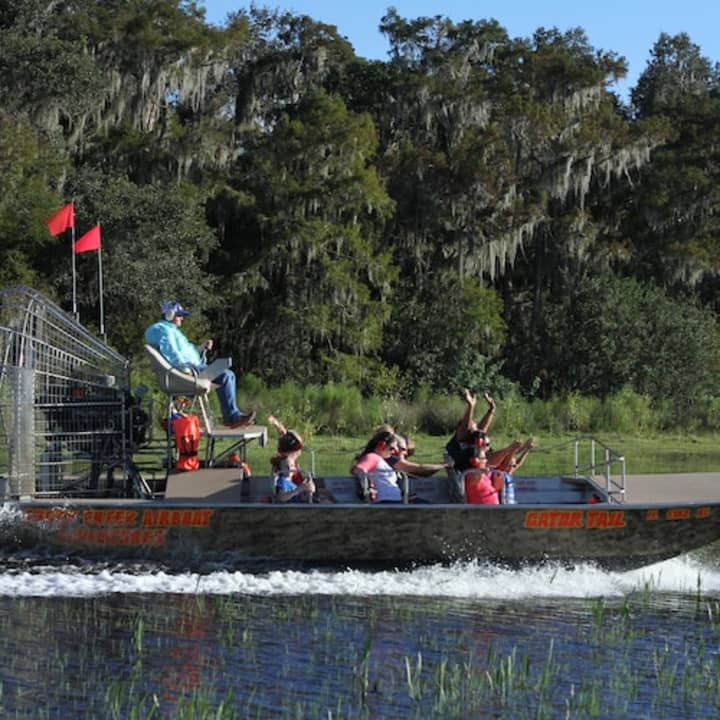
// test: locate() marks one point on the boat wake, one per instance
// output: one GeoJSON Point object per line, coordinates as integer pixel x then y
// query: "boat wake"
{"type": "Point", "coordinates": [35, 576]}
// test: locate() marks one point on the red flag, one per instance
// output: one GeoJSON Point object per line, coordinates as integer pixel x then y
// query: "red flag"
{"type": "Point", "coordinates": [63, 219]}
{"type": "Point", "coordinates": [89, 241]}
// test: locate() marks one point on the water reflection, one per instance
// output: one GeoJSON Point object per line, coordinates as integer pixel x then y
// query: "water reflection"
{"type": "Point", "coordinates": [121, 640]}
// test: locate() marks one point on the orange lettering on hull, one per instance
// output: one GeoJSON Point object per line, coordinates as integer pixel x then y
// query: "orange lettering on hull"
{"type": "Point", "coordinates": [110, 517]}
{"type": "Point", "coordinates": [703, 512]}
{"type": "Point", "coordinates": [113, 536]}
{"type": "Point", "coordinates": [678, 514]}
{"type": "Point", "coordinates": [54, 515]}
{"type": "Point", "coordinates": [177, 518]}
{"type": "Point", "coordinates": [605, 519]}
{"type": "Point", "coordinates": [652, 515]}
{"type": "Point", "coordinates": [554, 519]}
{"type": "Point", "coordinates": [564, 519]}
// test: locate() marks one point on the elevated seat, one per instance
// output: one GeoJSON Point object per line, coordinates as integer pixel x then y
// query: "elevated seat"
{"type": "Point", "coordinates": [178, 382]}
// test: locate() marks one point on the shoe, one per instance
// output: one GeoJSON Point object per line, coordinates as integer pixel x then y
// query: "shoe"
{"type": "Point", "coordinates": [242, 421]}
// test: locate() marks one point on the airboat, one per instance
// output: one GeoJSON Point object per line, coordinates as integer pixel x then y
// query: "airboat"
{"type": "Point", "coordinates": [84, 473]}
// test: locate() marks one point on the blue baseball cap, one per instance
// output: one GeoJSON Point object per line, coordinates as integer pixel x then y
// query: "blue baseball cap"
{"type": "Point", "coordinates": [174, 308]}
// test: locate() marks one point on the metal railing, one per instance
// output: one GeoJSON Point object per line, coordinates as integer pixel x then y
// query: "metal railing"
{"type": "Point", "coordinates": [608, 470]}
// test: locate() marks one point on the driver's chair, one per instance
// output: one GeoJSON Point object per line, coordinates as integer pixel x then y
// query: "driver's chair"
{"type": "Point", "coordinates": [176, 383]}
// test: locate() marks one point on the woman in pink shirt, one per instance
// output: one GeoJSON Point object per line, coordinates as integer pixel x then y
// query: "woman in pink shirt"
{"type": "Point", "coordinates": [478, 479]}
{"type": "Point", "coordinates": [379, 464]}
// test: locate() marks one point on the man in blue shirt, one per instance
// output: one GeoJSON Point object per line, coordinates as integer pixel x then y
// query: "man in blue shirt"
{"type": "Point", "coordinates": [168, 338]}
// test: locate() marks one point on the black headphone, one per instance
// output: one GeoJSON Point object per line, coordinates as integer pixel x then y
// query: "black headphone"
{"type": "Point", "coordinates": [385, 439]}
{"type": "Point", "coordinates": [289, 442]}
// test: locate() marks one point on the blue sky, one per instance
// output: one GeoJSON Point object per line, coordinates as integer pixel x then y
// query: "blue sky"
{"type": "Point", "coordinates": [629, 28]}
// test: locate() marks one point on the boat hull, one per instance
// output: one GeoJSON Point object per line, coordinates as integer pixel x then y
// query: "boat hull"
{"type": "Point", "coordinates": [612, 536]}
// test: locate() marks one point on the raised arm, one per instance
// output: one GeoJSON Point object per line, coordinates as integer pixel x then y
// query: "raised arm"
{"type": "Point", "coordinates": [277, 424]}
{"type": "Point", "coordinates": [487, 418]}
{"type": "Point", "coordinates": [524, 452]}
{"type": "Point", "coordinates": [419, 469]}
{"type": "Point", "coordinates": [466, 424]}
{"type": "Point", "coordinates": [503, 458]}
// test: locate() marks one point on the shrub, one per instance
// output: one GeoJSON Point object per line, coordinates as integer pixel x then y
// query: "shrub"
{"type": "Point", "coordinates": [624, 412]}
{"type": "Point", "coordinates": [602, 333]}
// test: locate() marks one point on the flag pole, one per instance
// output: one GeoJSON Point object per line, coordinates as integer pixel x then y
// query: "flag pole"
{"type": "Point", "coordinates": [74, 278]}
{"type": "Point", "coordinates": [102, 314]}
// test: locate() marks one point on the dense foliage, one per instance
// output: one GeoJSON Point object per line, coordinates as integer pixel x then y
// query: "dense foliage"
{"type": "Point", "coordinates": [476, 210]}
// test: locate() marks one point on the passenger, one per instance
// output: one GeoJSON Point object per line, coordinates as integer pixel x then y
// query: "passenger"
{"type": "Point", "coordinates": [379, 464]}
{"type": "Point", "coordinates": [522, 455]}
{"type": "Point", "coordinates": [478, 481]}
{"type": "Point", "coordinates": [468, 434]}
{"type": "Point", "coordinates": [406, 448]}
{"type": "Point", "coordinates": [166, 336]}
{"type": "Point", "coordinates": [291, 484]}
{"type": "Point", "coordinates": [514, 462]}
{"type": "Point", "coordinates": [383, 429]}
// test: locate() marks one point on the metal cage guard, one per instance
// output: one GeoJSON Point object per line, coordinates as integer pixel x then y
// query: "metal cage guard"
{"type": "Point", "coordinates": [68, 421]}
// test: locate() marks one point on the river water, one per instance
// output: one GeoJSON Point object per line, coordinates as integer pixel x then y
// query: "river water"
{"type": "Point", "coordinates": [124, 640]}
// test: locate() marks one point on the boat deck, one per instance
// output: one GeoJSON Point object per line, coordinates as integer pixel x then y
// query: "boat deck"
{"type": "Point", "coordinates": [217, 485]}
{"type": "Point", "coordinates": [673, 487]}
{"type": "Point", "coordinates": [225, 485]}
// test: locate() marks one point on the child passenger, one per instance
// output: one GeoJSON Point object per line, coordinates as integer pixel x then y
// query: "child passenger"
{"type": "Point", "coordinates": [291, 484]}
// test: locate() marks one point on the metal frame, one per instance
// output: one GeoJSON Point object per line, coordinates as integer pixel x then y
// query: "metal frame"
{"type": "Point", "coordinates": [67, 416]}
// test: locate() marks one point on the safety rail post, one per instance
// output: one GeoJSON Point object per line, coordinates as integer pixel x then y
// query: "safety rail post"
{"type": "Point", "coordinates": [614, 489]}
{"type": "Point", "coordinates": [607, 470]}
{"type": "Point", "coordinates": [312, 459]}
{"type": "Point", "coordinates": [576, 456]}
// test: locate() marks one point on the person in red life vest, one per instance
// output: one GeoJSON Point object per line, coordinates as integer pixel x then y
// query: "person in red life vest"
{"type": "Point", "coordinates": [291, 484]}
{"type": "Point", "coordinates": [379, 464]}
{"type": "Point", "coordinates": [478, 480]}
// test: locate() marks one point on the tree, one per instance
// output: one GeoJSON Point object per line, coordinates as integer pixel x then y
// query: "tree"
{"type": "Point", "coordinates": [306, 241]}
{"type": "Point", "coordinates": [155, 245]}
{"type": "Point", "coordinates": [448, 338]}
{"type": "Point", "coordinates": [27, 165]}
{"type": "Point", "coordinates": [606, 332]}
{"type": "Point", "coordinates": [674, 222]}
{"type": "Point", "coordinates": [676, 71]}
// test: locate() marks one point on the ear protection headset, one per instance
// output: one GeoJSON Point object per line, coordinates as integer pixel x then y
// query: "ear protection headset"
{"type": "Point", "coordinates": [385, 440]}
{"type": "Point", "coordinates": [480, 444]}
{"type": "Point", "coordinates": [290, 442]}
{"type": "Point", "coordinates": [480, 439]}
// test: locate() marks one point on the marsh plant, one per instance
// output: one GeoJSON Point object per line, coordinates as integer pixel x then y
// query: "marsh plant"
{"type": "Point", "coordinates": [229, 656]}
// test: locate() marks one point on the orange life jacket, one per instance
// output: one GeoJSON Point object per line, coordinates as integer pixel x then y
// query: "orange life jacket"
{"type": "Point", "coordinates": [479, 489]}
{"type": "Point", "coordinates": [187, 441]}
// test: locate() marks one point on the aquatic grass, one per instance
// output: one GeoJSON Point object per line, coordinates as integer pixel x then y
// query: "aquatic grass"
{"type": "Point", "coordinates": [413, 675]}
{"type": "Point", "coordinates": [504, 677]}
{"type": "Point", "coordinates": [365, 657]}
{"type": "Point", "coordinates": [361, 672]}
